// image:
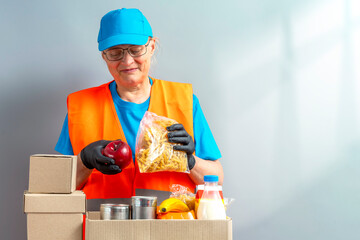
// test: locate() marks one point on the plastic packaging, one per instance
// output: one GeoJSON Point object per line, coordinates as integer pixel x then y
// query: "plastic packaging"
{"type": "Point", "coordinates": [184, 194]}
{"type": "Point", "coordinates": [154, 153]}
{"type": "Point", "coordinates": [228, 202]}
{"type": "Point", "coordinates": [211, 206]}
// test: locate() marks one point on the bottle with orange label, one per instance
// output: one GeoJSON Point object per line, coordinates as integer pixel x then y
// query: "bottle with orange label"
{"type": "Point", "coordinates": [210, 202]}
{"type": "Point", "coordinates": [199, 190]}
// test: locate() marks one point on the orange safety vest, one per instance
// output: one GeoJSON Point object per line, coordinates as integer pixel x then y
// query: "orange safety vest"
{"type": "Point", "coordinates": [92, 116]}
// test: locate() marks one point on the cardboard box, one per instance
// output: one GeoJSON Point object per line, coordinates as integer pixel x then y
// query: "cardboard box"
{"type": "Point", "coordinates": [55, 203]}
{"type": "Point", "coordinates": [54, 226]}
{"type": "Point", "coordinates": [97, 229]}
{"type": "Point", "coordinates": [54, 216]}
{"type": "Point", "coordinates": [50, 173]}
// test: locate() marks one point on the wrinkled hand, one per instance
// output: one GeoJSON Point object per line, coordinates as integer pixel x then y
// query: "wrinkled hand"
{"type": "Point", "coordinates": [92, 157]}
{"type": "Point", "coordinates": [178, 134]}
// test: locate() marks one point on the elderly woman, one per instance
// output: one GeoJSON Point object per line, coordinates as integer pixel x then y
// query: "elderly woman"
{"type": "Point", "coordinates": [114, 111]}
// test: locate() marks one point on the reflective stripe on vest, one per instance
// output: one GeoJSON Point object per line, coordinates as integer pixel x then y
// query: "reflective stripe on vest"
{"type": "Point", "coordinates": [92, 117]}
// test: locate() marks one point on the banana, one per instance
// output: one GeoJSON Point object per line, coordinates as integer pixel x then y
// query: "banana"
{"type": "Point", "coordinates": [173, 205]}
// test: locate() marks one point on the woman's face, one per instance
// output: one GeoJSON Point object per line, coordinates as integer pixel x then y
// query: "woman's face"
{"type": "Point", "coordinates": [131, 71]}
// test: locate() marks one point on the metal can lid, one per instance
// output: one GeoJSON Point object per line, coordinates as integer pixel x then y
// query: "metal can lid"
{"type": "Point", "coordinates": [144, 201]}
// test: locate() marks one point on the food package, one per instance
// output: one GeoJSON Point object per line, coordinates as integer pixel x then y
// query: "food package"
{"type": "Point", "coordinates": [154, 153]}
{"type": "Point", "coordinates": [184, 194]}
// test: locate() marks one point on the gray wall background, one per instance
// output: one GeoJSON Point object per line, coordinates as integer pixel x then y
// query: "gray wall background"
{"type": "Point", "coordinates": [278, 81]}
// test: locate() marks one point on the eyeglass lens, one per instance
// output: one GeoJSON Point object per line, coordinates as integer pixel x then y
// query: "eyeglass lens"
{"type": "Point", "coordinates": [118, 53]}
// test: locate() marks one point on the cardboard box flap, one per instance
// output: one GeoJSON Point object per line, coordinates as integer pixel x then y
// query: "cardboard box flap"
{"type": "Point", "coordinates": [52, 155]}
{"type": "Point", "coordinates": [55, 203]}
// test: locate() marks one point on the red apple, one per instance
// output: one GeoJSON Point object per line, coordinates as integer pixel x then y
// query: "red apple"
{"type": "Point", "coordinates": [120, 152]}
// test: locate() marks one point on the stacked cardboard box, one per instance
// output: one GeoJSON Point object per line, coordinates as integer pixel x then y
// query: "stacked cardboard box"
{"type": "Point", "coordinates": [54, 209]}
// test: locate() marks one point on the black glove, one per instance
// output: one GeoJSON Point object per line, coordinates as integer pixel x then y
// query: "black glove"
{"type": "Point", "coordinates": [178, 134]}
{"type": "Point", "coordinates": [92, 157]}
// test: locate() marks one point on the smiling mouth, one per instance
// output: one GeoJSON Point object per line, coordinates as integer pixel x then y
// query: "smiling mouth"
{"type": "Point", "coordinates": [129, 70]}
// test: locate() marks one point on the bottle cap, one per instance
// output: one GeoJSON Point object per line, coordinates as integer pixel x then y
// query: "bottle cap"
{"type": "Point", "coordinates": [211, 178]}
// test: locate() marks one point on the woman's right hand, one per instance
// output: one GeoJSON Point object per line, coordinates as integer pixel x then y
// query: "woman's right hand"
{"type": "Point", "coordinates": [92, 157]}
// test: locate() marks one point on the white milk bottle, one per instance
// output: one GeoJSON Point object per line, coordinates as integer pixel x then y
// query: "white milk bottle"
{"type": "Point", "coordinates": [211, 206]}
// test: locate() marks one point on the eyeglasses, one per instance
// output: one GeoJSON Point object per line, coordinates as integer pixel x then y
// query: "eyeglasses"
{"type": "Point", "coordinates": [116, 54]}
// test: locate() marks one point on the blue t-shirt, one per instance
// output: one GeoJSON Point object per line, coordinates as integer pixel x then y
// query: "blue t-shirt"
{"type": "Point", "coordinates": [130, 115]}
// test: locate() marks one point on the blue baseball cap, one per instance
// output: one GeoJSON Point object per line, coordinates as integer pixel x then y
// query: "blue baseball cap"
{"type": "Point", "coordinates": [123, 26]}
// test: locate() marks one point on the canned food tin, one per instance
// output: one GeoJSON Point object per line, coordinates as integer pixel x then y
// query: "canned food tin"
{"type": "Point", "coordinates": [143, 207]}
{"type": "Point", "coordinates": [110, 211]}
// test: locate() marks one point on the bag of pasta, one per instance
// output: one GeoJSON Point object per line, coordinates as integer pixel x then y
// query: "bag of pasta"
{"type": "Point", "coordinates": [154, 153]}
